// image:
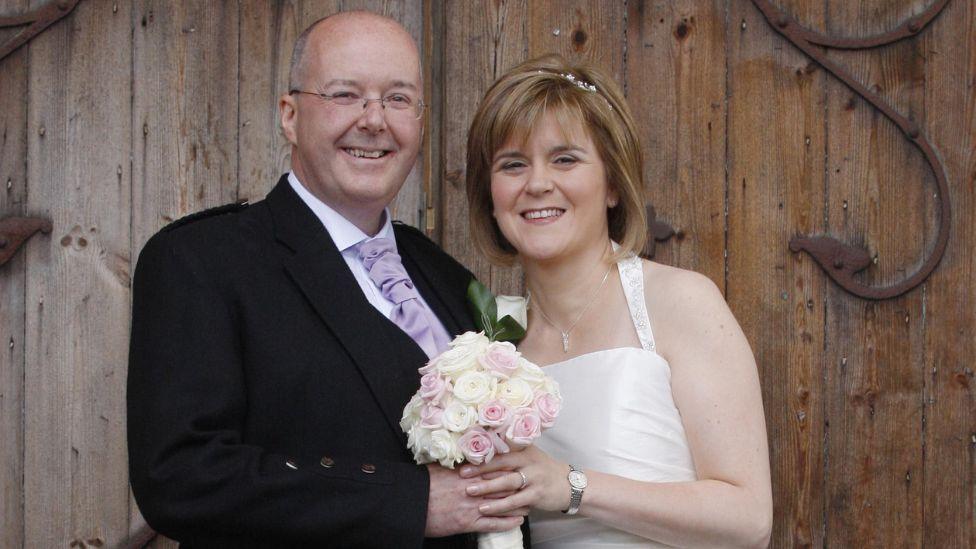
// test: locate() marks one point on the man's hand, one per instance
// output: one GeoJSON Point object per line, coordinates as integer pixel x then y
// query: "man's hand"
{"type": "Point", "coordinates": [451, 511]}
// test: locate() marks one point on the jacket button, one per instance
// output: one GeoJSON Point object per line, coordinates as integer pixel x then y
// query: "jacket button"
{"type": "Point", "coordinates": [327, 462]}
{"type": "Point", "coordinates": [368, 468]}
{"type": "Point", "coordinates": [291, 464]}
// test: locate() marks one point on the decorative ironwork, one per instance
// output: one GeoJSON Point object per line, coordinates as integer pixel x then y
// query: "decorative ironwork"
{"type": "Point", "coordinates": [841, 261]}
{"type": "Point", "coordinates": [15, 230]}
{"type": "Point", "coordinates": [657, 231]}
{"type": "Point", "coordinates": [37, 20]}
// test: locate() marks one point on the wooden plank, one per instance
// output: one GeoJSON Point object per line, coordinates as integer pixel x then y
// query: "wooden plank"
{"type": "Point", "coordinates": [775, 189]}
{"type": "Point", "coordinates": [267, 32]}
{"type": "Point", "coordinates": [580, 30]}
{"type": "Point", "coordinates": [676, 88]}
{"type": "Point", "coordinates": [482, 39]}
{"type": "Point", "coordinates": [185, 119]}
{"type": "Point", "coordinates": [13, 195]}
{"type": "Point", "coordinates": [949, 498]}
{"type": "Point", "coordinates": [79, 146]}
{"type": "Point", "coordinates": [874, 349]}
{"type": "Point", "coordinates": [185, 75]}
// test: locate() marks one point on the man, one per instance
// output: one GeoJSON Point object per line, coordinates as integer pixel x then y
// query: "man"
{"type": "Point", "coordinates": [274, 346]}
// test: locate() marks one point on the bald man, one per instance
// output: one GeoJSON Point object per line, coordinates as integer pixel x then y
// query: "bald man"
{"type": "Point", "coordinates": [271, 357]}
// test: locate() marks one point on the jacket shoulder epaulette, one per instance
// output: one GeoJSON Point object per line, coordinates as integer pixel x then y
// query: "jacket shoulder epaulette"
{"type": "Point", "coordinates": [403, 227]}
{"type": "Point", "coordinates": [205, 214]}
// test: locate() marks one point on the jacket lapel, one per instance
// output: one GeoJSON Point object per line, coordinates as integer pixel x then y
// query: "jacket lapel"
{"type": "Point", "coordinates": [387, 362]}
{"type": "Point", "coordinates": [447, 297]}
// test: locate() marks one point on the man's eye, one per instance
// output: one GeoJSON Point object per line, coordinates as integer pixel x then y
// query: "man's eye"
{"type": "Point", "coordinates": [344, 97]}
{"type": "Point", "coordinates": [399, 98]}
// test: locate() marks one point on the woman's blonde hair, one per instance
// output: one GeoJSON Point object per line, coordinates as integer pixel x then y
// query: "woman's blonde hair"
{"type": "Point", "coordinates": [573, 93]}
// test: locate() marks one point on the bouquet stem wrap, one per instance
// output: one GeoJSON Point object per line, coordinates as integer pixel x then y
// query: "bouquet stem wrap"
{"type": "Point", "coordinates": [511, 539]}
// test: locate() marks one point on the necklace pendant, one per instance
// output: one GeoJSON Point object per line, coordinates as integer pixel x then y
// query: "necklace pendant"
{"type": "Point", "coordinates": [565, 342]}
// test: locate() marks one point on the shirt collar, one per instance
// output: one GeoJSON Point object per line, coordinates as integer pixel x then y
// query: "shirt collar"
{"type": "Point", "coordinates": [343, 232]}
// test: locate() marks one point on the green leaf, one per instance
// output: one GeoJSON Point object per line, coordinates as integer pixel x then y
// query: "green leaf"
{"type": "Point", "coordinates": [509, 330]}
{"type": "Point", "coordinates": [481, 303]}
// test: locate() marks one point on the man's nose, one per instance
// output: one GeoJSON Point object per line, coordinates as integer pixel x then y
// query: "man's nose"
{"type": "Point", "coordinates": [373, 117]}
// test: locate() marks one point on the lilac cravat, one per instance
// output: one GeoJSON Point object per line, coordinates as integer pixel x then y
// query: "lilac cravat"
{"type": "Point", "coordinates": [385, 269]}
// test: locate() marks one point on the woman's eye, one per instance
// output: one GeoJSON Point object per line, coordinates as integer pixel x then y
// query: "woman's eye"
{"type": "Point", "coordinates": [565, 160]}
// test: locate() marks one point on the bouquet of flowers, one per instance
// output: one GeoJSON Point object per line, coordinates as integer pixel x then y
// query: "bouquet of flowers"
{"type": "Point", "coordinates": [480, 397]}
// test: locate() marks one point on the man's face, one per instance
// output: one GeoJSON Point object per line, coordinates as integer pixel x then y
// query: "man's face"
{"type": "Point", "coordinates": [354, 159]}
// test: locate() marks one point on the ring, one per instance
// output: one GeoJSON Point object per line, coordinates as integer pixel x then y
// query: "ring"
{"type": "Point", "coordinates": [524, 480]}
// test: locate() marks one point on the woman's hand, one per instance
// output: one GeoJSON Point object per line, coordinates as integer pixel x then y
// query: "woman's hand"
{"type": "Point", "coordinates": [545, 485]}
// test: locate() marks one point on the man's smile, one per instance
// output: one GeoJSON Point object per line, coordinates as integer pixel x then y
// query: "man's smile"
{"type": "Point", "coordinates": [366, 153]}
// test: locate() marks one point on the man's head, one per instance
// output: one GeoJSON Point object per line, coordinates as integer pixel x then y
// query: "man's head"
{"type": "Point", "coordinates": [354, 159]}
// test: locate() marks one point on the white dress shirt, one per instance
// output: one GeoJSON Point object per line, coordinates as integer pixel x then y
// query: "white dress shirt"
{"type": "Point", "coordinates": [346, 237]}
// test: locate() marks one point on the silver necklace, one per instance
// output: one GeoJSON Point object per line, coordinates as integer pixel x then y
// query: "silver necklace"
{"type": "Point", "coordinates": [589, 303]}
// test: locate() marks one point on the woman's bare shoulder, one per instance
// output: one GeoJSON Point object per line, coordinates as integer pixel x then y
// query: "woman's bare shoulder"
{"type": "Point", "coordinates": [666, 286]}
{"type": "Point", "coordinates": [684, 306]}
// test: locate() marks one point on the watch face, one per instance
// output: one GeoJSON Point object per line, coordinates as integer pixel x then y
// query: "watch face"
{"type": "Point", "coordinates": [577, 480]}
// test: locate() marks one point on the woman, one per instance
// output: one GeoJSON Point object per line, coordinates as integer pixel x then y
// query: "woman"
{"type": "Point", "coordinates": [662, 434]}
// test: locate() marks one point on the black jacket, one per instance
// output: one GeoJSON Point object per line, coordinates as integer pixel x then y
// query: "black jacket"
{"type": "Point", "coordinates": [265, 392]}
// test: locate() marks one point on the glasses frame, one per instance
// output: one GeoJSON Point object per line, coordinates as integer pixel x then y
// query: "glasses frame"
{"type": "Point", "coordinates": [420, 107]}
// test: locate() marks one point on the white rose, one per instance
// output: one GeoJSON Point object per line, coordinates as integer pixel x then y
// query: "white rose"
{"type": "Point", "coordinates": [531, 373]}
{"type": "Point", "coordinates": [516, 392]}
{"type": "Point", "coordinates": [458, 416]}
{"type": "Point", "coordinates": [418, 441]}
{"type": "Point", "coordinates": [550, 386]}
{"type": "Point", "coordinates": [474, 387]}
{"type": "Point", "coordinates": [471, 339]}
{"type": "Point", "coordinates": [444, 448]}
{"type": "Point", "coordinates": [457, 360]}
{"type": "Point", "coordinates": [514, 306]}
{"type": "Point", "coordinates": [411, 413]}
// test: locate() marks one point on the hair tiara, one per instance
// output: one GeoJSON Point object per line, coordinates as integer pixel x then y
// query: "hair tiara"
{"type": "Point", "coordinates": [578, 82]}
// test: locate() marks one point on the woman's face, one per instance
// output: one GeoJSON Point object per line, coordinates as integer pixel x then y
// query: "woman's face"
{"type": "Point", "coordinates": [550, 194]}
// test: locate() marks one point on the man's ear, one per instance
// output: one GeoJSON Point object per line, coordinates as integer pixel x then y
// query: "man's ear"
{"type": "Point", "coordinates": [288, 112]}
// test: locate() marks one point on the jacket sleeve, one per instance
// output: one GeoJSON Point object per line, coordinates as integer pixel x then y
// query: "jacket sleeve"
{"type": "Point", "coordinates": [192, 475]}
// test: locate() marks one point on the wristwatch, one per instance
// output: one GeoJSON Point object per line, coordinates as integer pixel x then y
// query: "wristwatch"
{"type": "Point", "coordinates": [577, 483]}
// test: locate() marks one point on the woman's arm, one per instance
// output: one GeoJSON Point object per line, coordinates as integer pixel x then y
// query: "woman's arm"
{"type": "Point", "coordinates": [716, 388]}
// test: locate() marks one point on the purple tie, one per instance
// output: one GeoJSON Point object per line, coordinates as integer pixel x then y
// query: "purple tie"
{"type": "Point", "coordinates": [409, 312]}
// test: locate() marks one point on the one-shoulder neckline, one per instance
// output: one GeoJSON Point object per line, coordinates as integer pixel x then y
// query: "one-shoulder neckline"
{"type": "Point", "coordinates": [598, 351]}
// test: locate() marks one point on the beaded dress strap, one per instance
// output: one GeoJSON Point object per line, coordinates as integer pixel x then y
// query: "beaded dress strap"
{"type": "Point", "coordinates": [632, 279]}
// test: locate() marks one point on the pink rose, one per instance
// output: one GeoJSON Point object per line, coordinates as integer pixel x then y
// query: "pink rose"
{"type": "Point", "coordinates": [499, 442]}
{"type": "Point", "coordinates": [429, 367]}
{"type": "Point", "coordinates": [433, 387]}
{"type": "Point", "coordinates": [430, 416]}
{"type": "Point", "coordinates": [524, 427]}
{"type": "Point", "coordinates": [477, 446]}
{"type": "Point", "coordinates": [548, 406]}
{"type": "Point", "coordinates": [500, 359]}
{"type": "Point", "coordinates": [493, 413]}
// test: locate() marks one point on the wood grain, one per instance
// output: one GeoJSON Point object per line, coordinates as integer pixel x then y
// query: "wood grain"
{"type": "Point", "coordinates": [949, 497]}
{"type": "Point", "coordinates": [13, 197]}
{"type": "Point", "coordinates": [676, 85]}
{"type": "Point", "coordinates": [482, 40]}
{"type": "Point", "coordinates": [776, 141]}
{"type": "Point", "coordinates": [77, 295]}
{"type": "Point", "coordinates": [874, 352]}
{"type": "Point", "coordinates": [184, 110]}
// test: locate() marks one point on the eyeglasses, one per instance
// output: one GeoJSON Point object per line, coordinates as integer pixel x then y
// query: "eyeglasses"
{"type": "Point", "coordinates": [396, 104]}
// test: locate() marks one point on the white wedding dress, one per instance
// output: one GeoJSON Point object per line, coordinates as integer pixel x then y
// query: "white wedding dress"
{"type": "Point", "coordinates": [618, 417]}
